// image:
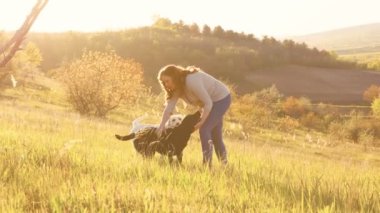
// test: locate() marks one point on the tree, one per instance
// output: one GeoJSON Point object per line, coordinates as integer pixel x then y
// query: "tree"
{"type": "Point", "coordinates": [28, 59]}
{"type": "Point", "coordinates": [10, 48]}
{"type": "Point", "coordinates": [164, 23]}
{"type": "Point", "coordinates": [23, 66]}
{"type": "Point", "coordinates": [206, 30]}
{"type": "Point", "coordinates": [194, 29]}
{"type": "Point", "coordinates": [99, 82]}
{"type": "Point", "coordinates": [371, 93]}
{"type": "Point", "coordinates": [229, 34]}
{"type": "Point", "coordinates": [218, 31]}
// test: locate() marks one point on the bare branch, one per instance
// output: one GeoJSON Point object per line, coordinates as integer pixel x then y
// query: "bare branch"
{"type": "Point", "coordinates": [13, 45]}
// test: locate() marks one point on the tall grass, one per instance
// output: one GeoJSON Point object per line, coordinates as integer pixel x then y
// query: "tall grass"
{"type": "Point", "coordinates": [51, 159]}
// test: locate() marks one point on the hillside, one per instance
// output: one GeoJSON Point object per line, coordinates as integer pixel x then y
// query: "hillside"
{"type": "Point", "coordinates": [319, 84]}
{"type": "Point", "coordinates": [357, 39]}
{"type": "Point", "coordinates": [223, 53]}
{"type": "Point", "coordinates": [54, 160]}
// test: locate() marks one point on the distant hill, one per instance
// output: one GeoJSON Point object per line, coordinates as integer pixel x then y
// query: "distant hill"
{"type": "Point", "coordinates": [357, 39]}
{"type": "Point", "coordinates": [248, 62]}
{"type": "Point", "coordinates": [223, 53]}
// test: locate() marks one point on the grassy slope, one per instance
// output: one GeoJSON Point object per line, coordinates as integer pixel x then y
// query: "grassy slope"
{"type": "Point", "coordinates": [362, 58]}
{"type": "Point", "coordinates": [52, 159]}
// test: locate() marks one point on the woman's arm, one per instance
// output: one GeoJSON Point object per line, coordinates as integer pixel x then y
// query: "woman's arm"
{"type": "Point", "coordinates": [170, 105]}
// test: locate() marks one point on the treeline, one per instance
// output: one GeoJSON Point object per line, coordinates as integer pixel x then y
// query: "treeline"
{"type": "Point", "coordinates": [224, 53]}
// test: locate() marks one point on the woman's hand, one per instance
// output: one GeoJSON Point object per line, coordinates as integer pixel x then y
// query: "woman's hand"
{"type": "Point", "coordinates": [160, 130]}
{"type": "Point", "coordinates": [198, 125]}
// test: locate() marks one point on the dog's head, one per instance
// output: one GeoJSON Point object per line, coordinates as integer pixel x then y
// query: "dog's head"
{"type": "Point", "coordinates": [174, 121]}
{"type": "Point", "coordinates": [190, 120]}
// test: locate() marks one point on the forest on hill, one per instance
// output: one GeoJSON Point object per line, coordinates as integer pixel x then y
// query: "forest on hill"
{"type": "Point", "coordinates": [223, 53]}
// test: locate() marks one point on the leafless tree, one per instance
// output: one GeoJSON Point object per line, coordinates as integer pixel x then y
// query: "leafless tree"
{"type": "Point", "coordinates": [9, 49]}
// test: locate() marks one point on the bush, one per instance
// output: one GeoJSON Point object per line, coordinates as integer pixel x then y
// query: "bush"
{"type": "Point", "coordinates": [269, 98]}
{"type": "Point", "coordinates": [259, 109]}
{"type": "Point", "coordinates": [288, 124]}
{"type": "Point", "coordinates": [355, 128]}
{"type": "Point", "coordinates": [376, 107]}
{"type": "Point", "coordinates": [371, 93]}
{"type": "Point", "coordinates": [98, 82]}
{"type": "Point", "coordinates": [296, 107]}
{"type": "Point", "coordinates": [246, 111]}
{"type": "Point", "coordinates": [312, 120]}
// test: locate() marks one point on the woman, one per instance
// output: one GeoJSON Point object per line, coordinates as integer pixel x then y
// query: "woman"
{"type": "Point", "coordinates": [198, 88]}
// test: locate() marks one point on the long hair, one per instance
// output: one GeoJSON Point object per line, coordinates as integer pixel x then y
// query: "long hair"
{"type": "Point", "coordinates": [178, 75]}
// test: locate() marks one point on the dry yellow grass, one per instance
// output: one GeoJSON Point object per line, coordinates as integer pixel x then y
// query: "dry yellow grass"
{"type": "Point", "coordinates": [51, 159]}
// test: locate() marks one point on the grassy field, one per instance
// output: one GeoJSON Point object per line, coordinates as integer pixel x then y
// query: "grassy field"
{"type": "Point", "coordinates": [370, 59]}
{"type": "Point", "coordinates": [318, 84]}
{"type": "Point", "coordinates": [52, 159]}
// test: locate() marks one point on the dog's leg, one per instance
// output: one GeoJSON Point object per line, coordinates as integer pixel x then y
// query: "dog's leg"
{"type": "Point", "coordinates": [126, 137]}
{"type": "Point", "coordinates": [152, 148]}
{"type": "Point", "coordinates": [179, 157]}
{"type": "Point", "coordinates": [170, 156]}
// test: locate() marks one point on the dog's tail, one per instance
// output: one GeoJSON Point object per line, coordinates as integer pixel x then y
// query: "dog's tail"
{"type": "Point", "coordinates": [126, 137]}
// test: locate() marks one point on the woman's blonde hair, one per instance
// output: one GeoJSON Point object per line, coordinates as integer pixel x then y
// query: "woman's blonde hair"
{"type": "Point", "coordinates": [178, 75]}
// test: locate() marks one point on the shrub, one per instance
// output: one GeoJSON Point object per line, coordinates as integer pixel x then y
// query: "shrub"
{"type": "Point", "coordinates": [354, 128]}
{"type": "Point", "coordinates": [371, 93]}
{"type": "Point", "coordinates": [288, 124]}
{"type": "Point", "coordinates": [259, 109]}
{"type": "Point", "coordinates": [245, 110]}
{"type": "Point", "coordinates": [376, 107]}
{"type": "Point", "coordinates": [269, 98]}
{"type": "Point", "coordinates": [296, 107]}
{"type": "Point", "coordinates": [98, 82]}
{"type": "Point", "coordinates": [312, 120]}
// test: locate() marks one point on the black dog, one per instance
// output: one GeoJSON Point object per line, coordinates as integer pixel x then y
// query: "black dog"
{"type": "Point", "coordinates": [171, 143]}
{"type": "Point", "coordinates": [175, 141]}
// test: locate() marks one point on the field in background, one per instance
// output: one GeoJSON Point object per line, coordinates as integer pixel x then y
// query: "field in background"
{"type": "Point", "coordinates": [371, 60]}
{"type": "Point", "coordinates": [319, 84]}
{"type": "Point", "coordinates": [52, 159]}
{"type": "Point", "coordinates": [359, 44]}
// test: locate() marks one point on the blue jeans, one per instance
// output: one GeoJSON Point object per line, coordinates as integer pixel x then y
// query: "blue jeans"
{"type": "Point", "coordinates": [211, 132]}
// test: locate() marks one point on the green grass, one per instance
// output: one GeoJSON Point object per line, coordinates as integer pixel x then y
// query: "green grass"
{"type": "Point", "coordinates": [371, 60]}
{"type": "Point", "coordinates": [51, 159]}
{"type": "Point", "coordinates": [359, 56]}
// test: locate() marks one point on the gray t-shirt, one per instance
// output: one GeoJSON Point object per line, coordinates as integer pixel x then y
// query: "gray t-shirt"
{"type": "Point", "coordinates": [201, 90]}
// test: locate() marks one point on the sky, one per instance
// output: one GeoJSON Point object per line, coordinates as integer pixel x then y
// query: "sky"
{"type": "Point", "coordinates": [278, 18]}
